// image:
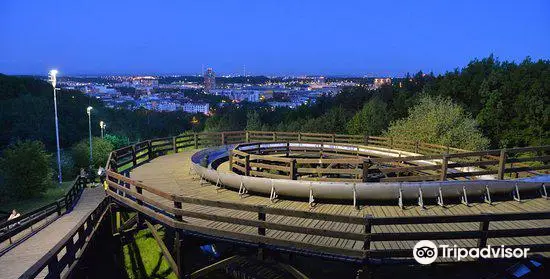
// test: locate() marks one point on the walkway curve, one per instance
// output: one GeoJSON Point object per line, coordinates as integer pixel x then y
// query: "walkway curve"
{"type": "Point", "coordinates": [20, 258]}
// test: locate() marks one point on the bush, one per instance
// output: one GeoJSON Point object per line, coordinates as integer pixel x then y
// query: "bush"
{"type": "Point", "coordinates": [100, 152]}
{"type": "Point", "coordinates": [117, 141]}
{"type": "Point", "coordinates": [438, 120]}
{"type": "Point", "coordinates": [371, 120]}
{"type": "Point", "coordinates": [26, 170]}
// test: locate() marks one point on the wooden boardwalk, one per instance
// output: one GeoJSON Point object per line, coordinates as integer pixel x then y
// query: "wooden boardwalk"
{"type": "Point", "coordinates": [20, 258]}
{"type": "Point", "coordinates": [170, 173]}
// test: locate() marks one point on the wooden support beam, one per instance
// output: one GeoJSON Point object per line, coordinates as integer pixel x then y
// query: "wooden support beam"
{"type": "Point", "coordinates": [128, 223]}
{"type": "Point", "coordinates": [165, 251]}
{"type": "Point", "coordinates": [213, 267]}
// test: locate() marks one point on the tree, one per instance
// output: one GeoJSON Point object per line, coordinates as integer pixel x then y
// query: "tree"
{"type": "Point", "coordinates": [100, 152]}
{"type": "Point", "coordinates": [371, 120]}
{"type": "Point", "coordinates": [438, 120]}
{"type": "Point", "coordinates": [26, 171]}
{"type": "Point", "coordinates": [117, 141]}
{"type": "Point", "coordinates": [253, 121]}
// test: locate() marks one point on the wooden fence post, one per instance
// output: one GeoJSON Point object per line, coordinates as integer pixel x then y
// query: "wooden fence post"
{"type": "Point", "coordinates": [196, 139]}
{"type": "Point", "coordinates": [502, 164]}
{"type": "Point", "coordinates": [53, 268]}
{"type": "Point", "coordinates": [222, 135]}
{"type": "Point", "coordinates": [174, 145]}
{"type": "Point", "coordinates": [333, 137]}
{"type": "Point", "coordinates": [261, 217]}
{"type": "Point", "coordinates": [231, 160]}
{"type": "Point", "coordinates": [299, 137]}
{"type": "Point", "coordinates": [391, 143]}
{"type": "Point", "coordinates": [58, 208]}
{"type": "Point", "coordinates": [368, 229]}
{"type": "Point", "coordinates": [292, 173]}
{"type": "Point", "coordinates": [287, 149]}
{"type": "Point", "coordinates": [247, 136]}
{"type": "Point", "coordinates": [444, 164]}
{"type": "Point", "coordinates": [416, 147]}
{"type": "Point", "coordinates": [274, 136]}
{"type": "Point", "coordinates": [139, 190]}
{"type": "Point", "coordinates": [247, 165]}
{"type": "Point", "coordinates": [484, 228]}
{"type": "Point", "coordinates": [366, 165]}
{"type": "Point", "coordinates": [366, 140]}
{"type": "Point", "coordinates": [177, 216]}
{"type": "Point", "coordinates": [134, 160]}
{"type": "Point", "coordinates": [149, 150]}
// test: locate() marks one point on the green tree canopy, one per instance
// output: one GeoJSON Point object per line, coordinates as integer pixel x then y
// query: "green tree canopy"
{"type": "Point", "coordinates": [438, 120]}
{"type": "Point", "coordinates": [25, 170]}
{"type": "Point", "coordinates": [372, 119]}
{"type": "Point", "coordinates": [253, 121]}
{"type": "Point", "coordinates": [100, 152]}
{"type": "Point", "coordinates": [117, 141]}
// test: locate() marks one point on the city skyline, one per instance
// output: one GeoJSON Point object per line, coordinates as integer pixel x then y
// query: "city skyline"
{"type": "Point", "coordinates": [274, 39]}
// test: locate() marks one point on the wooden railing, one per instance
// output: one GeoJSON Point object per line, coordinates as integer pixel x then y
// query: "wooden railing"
{"type": "Point", "coordinates": [255, 162]}
{"type": "Point", "coordinates": [261, 159]}
{"type": "Point", "coordinates": [11, 228]}
{"type": "Point", "coordinates": [440, 162]}
{"type": "Point", "coordinates": [64, 256]}
{"type": "Point", "coordinates": [186, 213]}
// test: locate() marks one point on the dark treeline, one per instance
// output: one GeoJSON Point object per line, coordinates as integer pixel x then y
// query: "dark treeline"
{"type": "Point", "coordinates": [26, 113]}
{"type": "Point", "coordinates": [508, 103]}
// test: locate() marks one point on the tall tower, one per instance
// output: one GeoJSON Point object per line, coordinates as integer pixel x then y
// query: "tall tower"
{"type": "Point", "coordinates": [209, 80]}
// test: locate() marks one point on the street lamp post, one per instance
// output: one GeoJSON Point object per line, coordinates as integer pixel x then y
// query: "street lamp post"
{"type": "Point", "coordinates": [89, 111]}
{"type": "Point", "coordinates": [102, 125]}
{"type": "Point", "coordinates": [53, 80]}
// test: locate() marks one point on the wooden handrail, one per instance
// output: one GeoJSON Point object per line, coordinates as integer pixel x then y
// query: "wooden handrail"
{"type": "Point", "coordinates": [137, 201]}
{"type": "Point", "coordinates": [488, 161]}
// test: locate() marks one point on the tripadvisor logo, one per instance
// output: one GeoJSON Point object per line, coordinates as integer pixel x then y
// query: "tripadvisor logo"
{"type": "Point", "coordinates": [426, 252]}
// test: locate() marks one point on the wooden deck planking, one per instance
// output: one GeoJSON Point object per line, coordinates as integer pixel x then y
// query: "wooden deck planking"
{"type": "Point", "coordinates": [169, 173]}
{"type": "Point", "coordinates": [20, 258]}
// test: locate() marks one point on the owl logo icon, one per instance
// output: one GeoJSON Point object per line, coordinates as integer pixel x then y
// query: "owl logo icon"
{"type": "Point", "coordinates": [425, 252]}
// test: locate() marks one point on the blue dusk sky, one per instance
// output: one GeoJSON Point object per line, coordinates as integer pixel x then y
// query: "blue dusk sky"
{"type": "Point", "coordinates": [360, 37]}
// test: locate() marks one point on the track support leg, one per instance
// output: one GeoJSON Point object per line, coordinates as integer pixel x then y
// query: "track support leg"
{"type": "Point", "coordinates": [515, 194]}
{"type": "Point", "coordinates": [487, 195]}
{"type": "Point", "coordinates": [440, 198]}
{"type": "Point", "coordinates": [400, 198]}
{"type": "Point", "coordinates": [544, 192]}
{"type": "Point", "coordinates": [311, 199]}
{"type": "Point", "coordinates": [420, 198]}
{"type": "Point", "coordinates": [273, 194]}
{"type": "Point", "coordinates": [464, 198]}
{"type": "Point", "coordinates": [242, 189]}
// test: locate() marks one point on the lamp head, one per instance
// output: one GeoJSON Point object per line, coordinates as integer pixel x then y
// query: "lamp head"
{"type": "Point", "coordinates": [89, 110]}
{"type": "Point", "coordinates": [53, 77]}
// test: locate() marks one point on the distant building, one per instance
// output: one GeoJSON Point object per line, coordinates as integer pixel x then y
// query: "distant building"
{"type": "Point", "coordinates": [147, 81]}
{"type": "Point", "coordinates": [196, 108]}
{"type": "Point", "coordinates": [378, 82]}
{"type": "Point", "coordinates": [209, 80]}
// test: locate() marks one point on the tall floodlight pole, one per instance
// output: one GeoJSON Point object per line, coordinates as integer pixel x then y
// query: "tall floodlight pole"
{"type": "Point", "coordinates": [102, 125]}
{"type": "Point", "coordinates": [53, 80]}
{"type": "Point", "coordinates": [89, 111]}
